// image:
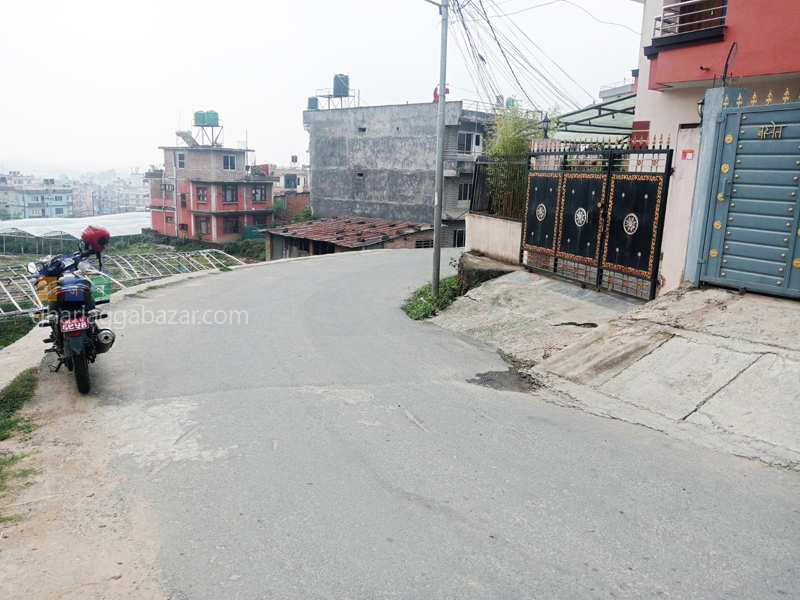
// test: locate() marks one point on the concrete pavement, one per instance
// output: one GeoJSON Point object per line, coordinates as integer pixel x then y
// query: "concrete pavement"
{"type": "Point", "coordinates": [333, 448]}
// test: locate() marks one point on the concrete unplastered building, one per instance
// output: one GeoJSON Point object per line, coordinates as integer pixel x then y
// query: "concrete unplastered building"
{"type": "Point", "coordinates": [380, 162]}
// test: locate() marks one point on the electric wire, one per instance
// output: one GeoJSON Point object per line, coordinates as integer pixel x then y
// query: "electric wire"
{"type": "Point", "coordinates": [615, 24]}
{"type": "Point", "coordinates": [546, 89]}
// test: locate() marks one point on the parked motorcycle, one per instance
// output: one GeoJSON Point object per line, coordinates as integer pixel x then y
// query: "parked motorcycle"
{"type": "Point", "coordinates": [64, 284]}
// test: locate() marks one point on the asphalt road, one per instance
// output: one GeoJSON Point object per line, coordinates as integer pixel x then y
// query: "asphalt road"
{"type": "Point", "coordinates": [333, 448]}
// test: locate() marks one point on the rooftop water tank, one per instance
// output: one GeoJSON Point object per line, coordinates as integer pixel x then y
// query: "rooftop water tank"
{"type": "Point", "coordinates": [313, 103]}
{"type": "Point", "coordinates": [199, 118]}
{"type": "Point", "coordinates": [212, 118]}
{"type": "Point", "coordinates": [341, 86]}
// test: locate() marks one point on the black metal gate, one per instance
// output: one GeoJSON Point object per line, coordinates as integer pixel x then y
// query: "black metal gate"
{"type": "Point", "coordinates": [595, 213]}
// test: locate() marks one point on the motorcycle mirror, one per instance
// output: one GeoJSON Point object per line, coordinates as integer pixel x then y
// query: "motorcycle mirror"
{"type": "Point", "coordinates": [31, 268]}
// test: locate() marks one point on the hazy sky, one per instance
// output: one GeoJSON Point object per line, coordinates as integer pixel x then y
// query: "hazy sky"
{"type": "Point", "coordinates": [93, 85]}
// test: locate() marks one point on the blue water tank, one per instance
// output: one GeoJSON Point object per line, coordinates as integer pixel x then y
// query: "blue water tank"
{"type": "Point", "coordinates": [341, 86]}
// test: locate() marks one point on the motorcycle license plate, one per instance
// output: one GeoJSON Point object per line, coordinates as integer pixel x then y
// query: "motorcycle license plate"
{"type": "Point", "coordinates": [69, 325]}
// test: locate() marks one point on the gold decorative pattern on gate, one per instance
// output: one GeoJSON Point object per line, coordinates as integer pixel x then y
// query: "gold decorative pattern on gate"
{"type": "Point", "coordinates": [558, 184]}
{"type": "Point", "coordinates": [796, 263]}
{"type": "Point", "coordinates": [713, 253]}
{"type": "Point", "coordinates": [725, 168]}
{"type": "Point", "coordinates": [721, 197]}
{"type": "Point", "coordinates": [717, 224]}
{"type": "Point", "coordinates": [562, 209]}
{"type": "Point", "coordinates": [728, 138]}
{"type": "Point", "coordinates": [654, 234]}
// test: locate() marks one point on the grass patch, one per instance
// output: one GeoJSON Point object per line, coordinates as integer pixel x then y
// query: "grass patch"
{"type": "Point", "coordinates": [12, 397]}
{"type": "Point", "coordinates": [422, 304]}
{"type": "Point", "coordinates": [11, 519]}
{"type": "Point", "coordinates": [14, 328]}
{"type": "Point", "coordinates": [6, 462]}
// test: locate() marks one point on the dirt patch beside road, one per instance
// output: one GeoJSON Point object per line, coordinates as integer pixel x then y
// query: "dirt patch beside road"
{"type": "Point", "coordinates": [78, 537]}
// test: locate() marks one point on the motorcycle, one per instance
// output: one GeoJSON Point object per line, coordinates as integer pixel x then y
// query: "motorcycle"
{"type": "Point", "coordinates": [63, 282]}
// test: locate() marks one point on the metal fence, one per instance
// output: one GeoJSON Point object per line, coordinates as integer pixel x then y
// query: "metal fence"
{"type": "Point", "coordinates": [19, 294]}
{"type": "Point", "coordinates": [498, 186]}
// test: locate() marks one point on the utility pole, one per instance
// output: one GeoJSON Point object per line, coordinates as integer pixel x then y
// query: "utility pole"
{"type": "Point", "coordinates": [437, 198]}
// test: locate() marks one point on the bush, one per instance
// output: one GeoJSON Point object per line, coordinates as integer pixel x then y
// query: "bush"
{"type": "Point", "coordinates": [422, 304]}
{"type": "Point", "coordinates": [254, 249]}
{"type": "Point", "coordinates": [303, 215]}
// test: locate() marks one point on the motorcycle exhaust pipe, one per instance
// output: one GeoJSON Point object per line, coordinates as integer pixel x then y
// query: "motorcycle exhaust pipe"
{"type": "Point", "coordinates": [105, 339]}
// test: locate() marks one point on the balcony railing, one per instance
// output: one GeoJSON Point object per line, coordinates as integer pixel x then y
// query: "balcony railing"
{"type": "Point", "coordinates": [689, 15]}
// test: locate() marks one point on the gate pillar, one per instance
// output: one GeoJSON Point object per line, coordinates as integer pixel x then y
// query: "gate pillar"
{"type": "Point", "coordinates": [707, 156]}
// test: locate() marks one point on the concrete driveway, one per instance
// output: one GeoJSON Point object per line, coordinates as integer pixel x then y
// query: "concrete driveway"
{"type": "Point", "coordinates": [333, 448]}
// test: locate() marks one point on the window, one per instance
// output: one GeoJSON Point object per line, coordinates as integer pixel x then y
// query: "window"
{"type": "Point", "coordinates": [362, 130]}
{"type": "Point", "coordinates": [260, 192]}
{"type": "Point", "coordinates": [183, 200]}
{"type": "Point", "coordinates": [202, 194]}
{"type": "Point", "coordinates": [170, 219]}
{"type": "Point", "coordinates": [423, 244]}
{"type": "Point", "coordinates": [184, 227]}
{"type": "Point", "coordinates": [464, 143]}
{"type": "Point", "coordinates": [260, 220]}
{"type": "Point", "coordinates": [181, 161]}
{"type": "Point", "coordinates": [230, 225]}
{"type": "Point", "coordinates": [477, 140]}
{"type": "Point", "coordinates": [229, 162]}
{"type": "Point", "coordinates": [359, 174]}
{"type": "Point", "coordinates": [59, 211]}
{"type": "Point", "coordinates": [58, 198]}
{"type": "Point", "coordinates": [459, 238]}
{"type": "Point", "coordinates": [229, 193]}
{"type": "Point", "coordinates": [202, 225]}
{"type": "Point", "coordinates": [290, 180]}
{"type": "Point", "coordinates": [464, 191]}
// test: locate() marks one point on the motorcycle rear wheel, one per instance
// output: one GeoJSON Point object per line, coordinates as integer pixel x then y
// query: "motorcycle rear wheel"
{"type": "Point", "coordinates": [80, 366]}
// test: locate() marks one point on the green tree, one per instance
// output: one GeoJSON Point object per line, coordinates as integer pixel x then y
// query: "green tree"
{"type": "Point", "coordinates": [511, 132]}
{"type": "Point", "coordinates": [508, 142]}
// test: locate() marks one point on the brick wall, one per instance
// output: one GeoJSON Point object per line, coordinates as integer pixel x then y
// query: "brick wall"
{"type": "Point", "coordinates": [296, 203]}
{"type": "Point", "coordinates": [410, 240]}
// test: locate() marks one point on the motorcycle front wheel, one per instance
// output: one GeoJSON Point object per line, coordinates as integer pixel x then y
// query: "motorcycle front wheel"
{"type": "Point", "coordinates": [80, 366]}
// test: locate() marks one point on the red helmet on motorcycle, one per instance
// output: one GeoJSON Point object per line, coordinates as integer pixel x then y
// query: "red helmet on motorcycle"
{"type": "Point", "coordinates": [96, 238]}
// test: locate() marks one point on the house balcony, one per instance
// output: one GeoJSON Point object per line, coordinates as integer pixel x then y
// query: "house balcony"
{"type": "Point", "coordinates": [233, 212]}
{"type": "Point", "coordinates": [457, 163]}
{"type": "Point", "coordinates": [688, 22]}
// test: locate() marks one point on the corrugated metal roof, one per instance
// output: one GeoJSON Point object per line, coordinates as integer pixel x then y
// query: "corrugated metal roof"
{"type": "Point", "coordinates": [350, 232]}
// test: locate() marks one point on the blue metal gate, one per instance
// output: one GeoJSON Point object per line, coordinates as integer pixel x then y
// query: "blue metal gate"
{"type": "Point", "coordinates": [752, 240]}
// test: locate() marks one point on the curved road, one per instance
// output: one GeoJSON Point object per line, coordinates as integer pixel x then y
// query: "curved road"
{"type": "Point", "coordinates": [333, 448]}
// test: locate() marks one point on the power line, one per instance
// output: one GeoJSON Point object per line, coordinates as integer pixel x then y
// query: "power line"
{"type": "Point", "coordinates": [543, 52]}
{"type": "Point", "coordinates": [504, 53]}
{"type": "Point", "coordinates": [615, 24]}
{"type": "Point", "coordinates": [553, 92]}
